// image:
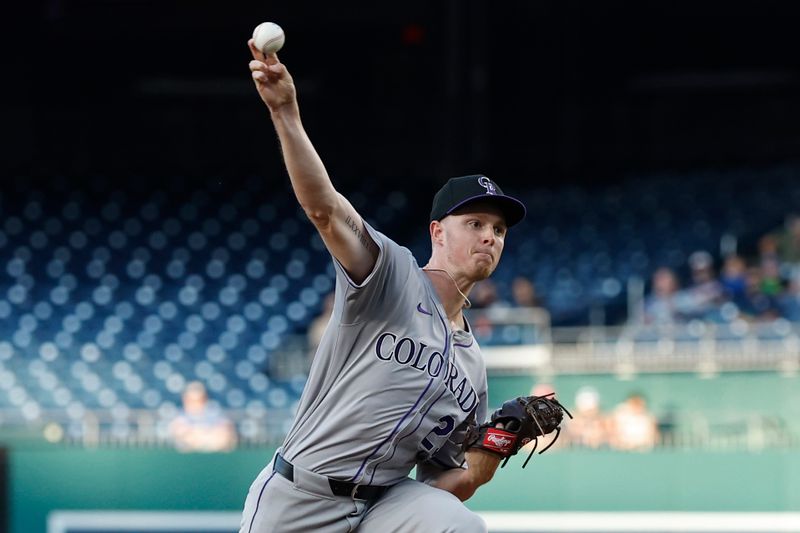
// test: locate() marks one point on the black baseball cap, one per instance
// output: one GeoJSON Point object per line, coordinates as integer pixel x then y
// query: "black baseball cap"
{"type": "Point", "coordinates": [458, 192]}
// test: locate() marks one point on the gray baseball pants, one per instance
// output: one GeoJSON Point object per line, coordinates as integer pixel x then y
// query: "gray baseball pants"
{"type": "Point", "coordinates": [277, 505]}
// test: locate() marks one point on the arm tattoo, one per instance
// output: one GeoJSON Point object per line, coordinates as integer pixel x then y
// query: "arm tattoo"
{"type": "Point", "coordinates": [365, 241]}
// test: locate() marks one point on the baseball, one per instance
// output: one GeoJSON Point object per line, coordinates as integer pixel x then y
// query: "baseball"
{"type": "Point", "coordinates": [268, 37]}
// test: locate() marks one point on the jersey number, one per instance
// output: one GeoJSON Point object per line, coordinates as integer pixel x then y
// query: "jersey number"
{"type": "Point", "coordinates": [445, 427]}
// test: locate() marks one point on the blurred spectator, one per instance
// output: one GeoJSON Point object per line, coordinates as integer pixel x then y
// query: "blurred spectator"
{"type": "Point", "coordinates": [317, 327]}
{"type": "Point", "coordinates": [661, 306]}
{"type": "Point", "coordinates": [633, 427]}
{"type": "Point", "coordinates": [771, 282]}
{"type": "Point", "coordinates": [789, 244]}
{"type": "Point", "coordinates": [200, 428]}
{"type": "Point", "coordinates": [523, 293]}
{"type": "Point", "coordinates": [789, 240]}
{"type": "Point", "coordinates": [589, 427]}
{"type": "Point", "coordinates": [757, 305]}
{"type": "Point", "coordinates": [704, 296]}
{"type": "Point", "coordinates": [734, 279]}
{"type": "Point", "coordinates": [543, 389]}
{"type": "Point", "coordinates": [483, 295]}
{"type": "Point", "coordinates": [789, 301]}
{"type": "Point", "coordinates": [768, 248]}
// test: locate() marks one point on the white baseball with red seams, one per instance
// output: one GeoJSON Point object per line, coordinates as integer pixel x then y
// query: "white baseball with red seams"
{"type": "Point", "coordinates": [269, 37]}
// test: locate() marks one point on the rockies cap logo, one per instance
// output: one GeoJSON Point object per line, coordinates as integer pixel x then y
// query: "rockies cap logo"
{"type": "Point", "coordinates": [487, 184]}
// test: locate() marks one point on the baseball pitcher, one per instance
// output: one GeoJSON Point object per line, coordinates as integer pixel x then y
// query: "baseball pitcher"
{"type": "Point", "coordinates": [398, 380]}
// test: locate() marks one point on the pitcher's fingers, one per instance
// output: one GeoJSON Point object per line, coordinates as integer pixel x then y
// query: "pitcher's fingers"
{"type": "Point", "coordinates": [257, 54]}
{"type": "Point", "coordinates": [271, 59]}
{"type": "Point", "coordinates": [258, 65]}
{"type": "Point", "coordinates": [276, 71]}
{"type": "Point", "coordinates": [259, 76]}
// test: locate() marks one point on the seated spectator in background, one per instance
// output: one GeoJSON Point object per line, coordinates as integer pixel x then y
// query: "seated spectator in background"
{"type": "Point", "coordinates": [789, 301]}
{"type": "Point", "coordinates": [757, 305]}
{"type": "Point", "coordinates": [200, 428]}
{"type": "Point", "coordinates": [589, 426]}
{"type": "Point", "coordinates": [632, 427]}
{"type": "Point", "coordinates": [484, 295]}
{"type": "Point", "coordinates": [523, 292]}
{"type": "Point", "coordinates": [661, 306]}
{"type": "Point", "coordinates": [768, 248]}
{"type": "Point", "coordinates": [789, 241]}
{"type": "Point", "coordinates": [543, 389]}
{"type": "Point", "coordinates": [704, 296]}
{"type": "Point", "coordinates": [771, 282]}
{"type": "Point", "coordinates": [734, 279]}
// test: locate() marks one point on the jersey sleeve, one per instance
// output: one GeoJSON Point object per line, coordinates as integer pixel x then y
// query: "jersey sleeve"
{"type": "Point", "coordinates": [382, 286]}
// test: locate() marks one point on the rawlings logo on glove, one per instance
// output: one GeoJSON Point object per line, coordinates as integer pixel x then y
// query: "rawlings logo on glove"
{"type": "Point", "coordinates": [498, 440]}
{"type": "Point", "coordinates": [515, 424]}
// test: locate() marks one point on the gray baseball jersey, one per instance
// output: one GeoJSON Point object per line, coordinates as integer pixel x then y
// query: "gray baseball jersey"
{"type": "Point", "coordinates": [391, 383]}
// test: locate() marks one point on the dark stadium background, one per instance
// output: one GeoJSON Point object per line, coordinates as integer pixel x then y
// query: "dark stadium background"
{"type": "Point", "coordinates": [529, 92]}
{"type": "Point", "coordinates": [131, 100]}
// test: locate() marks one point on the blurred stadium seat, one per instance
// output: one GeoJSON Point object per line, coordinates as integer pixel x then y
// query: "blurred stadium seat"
{"type": "Point", "coordinates": [114, 302]}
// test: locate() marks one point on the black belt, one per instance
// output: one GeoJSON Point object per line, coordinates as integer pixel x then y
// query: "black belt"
{"type": "Point", "coordinates": [338, 487]}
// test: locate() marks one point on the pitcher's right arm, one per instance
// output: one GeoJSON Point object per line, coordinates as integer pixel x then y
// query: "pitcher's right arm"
{"type": "Point", "coordinates": [338, 223]}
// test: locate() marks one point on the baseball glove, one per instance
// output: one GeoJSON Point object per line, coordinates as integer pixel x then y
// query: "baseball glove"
{"type": "Point", "coordinates": [515, 424]}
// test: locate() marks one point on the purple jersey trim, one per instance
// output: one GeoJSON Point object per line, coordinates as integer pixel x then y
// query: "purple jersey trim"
{"type": "Point", "coordinates": [406, 435]}
{"type": "Point", "coordinates": [396, 427]}
{"type": "Point", "coordinates": [258, 501]}
{"type": "Point", "coordinates": [464, 345]}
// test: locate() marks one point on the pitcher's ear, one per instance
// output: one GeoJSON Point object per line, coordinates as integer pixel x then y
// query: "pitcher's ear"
{"type": "Point", "coordinates": [437, 231]}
